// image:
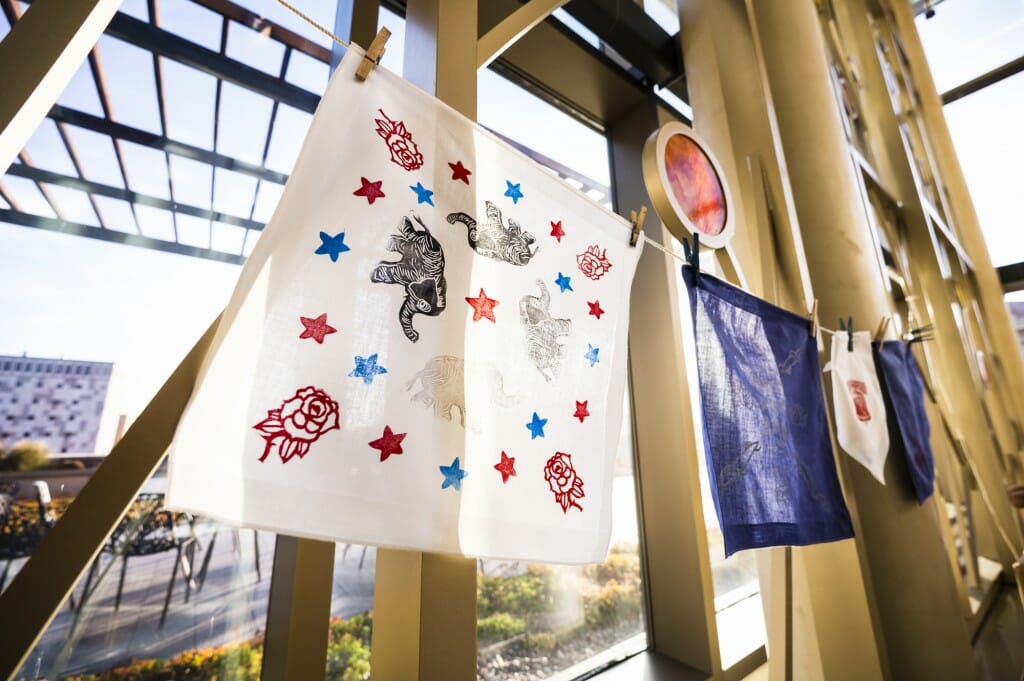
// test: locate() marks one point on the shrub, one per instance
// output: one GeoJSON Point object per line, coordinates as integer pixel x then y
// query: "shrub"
{"type": "Point", "coordinates": [623, 565]}
{"type": "Point", "coordinates": [499, 627]}
{"type": "Point", "coordinates": [25, 456]}
{"type": "Point", "coordinates": [612, 604]}
{"type": "Point", "coordinates": [529, 593]}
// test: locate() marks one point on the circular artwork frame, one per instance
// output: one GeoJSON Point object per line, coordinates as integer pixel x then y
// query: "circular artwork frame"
{"type": "Point", "coordinates": [689, 191]}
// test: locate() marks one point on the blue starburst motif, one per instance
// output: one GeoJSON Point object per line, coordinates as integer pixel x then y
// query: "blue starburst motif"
{"type": "Point", "coordinates": [332, 245]}
{"type": "Point", "coordinates": [453, 475]}
{"type": "Point", "coordinates": [367, 369]}
{"type": "Point", "coordinates": [423, 195]}
{"type": "Point", "coordinates": [513, 192]}
{"type": "Point", "coordinates": [591, 354]}
{"type": "Point", "coordinates": [536, 426]}
{"type": "Point", "coordinates": [563, 283]}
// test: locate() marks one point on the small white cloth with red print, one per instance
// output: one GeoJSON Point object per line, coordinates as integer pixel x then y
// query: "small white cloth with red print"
{"type": "Point", "coordinates": [426, 349]}
{"type": "Point", "coordinates": [861, 426]}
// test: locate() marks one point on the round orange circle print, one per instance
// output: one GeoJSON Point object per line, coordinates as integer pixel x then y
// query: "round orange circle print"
{"type": "Point", "coordinates": [695, 184]}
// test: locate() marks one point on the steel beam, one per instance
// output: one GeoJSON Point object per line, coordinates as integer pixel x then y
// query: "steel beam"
{"type": "Point", "coordinates": [49, 177]}
{"type": "Point", "coordinates": [77, 229]}
{"type": "Point", "coordinates": [116, 130]}
{"type": "Point", "coordinates": [167, 44]}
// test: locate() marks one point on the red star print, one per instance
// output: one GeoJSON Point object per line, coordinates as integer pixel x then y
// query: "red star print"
{"type": "Point", "coordinates": [460, 172]}
{"type": "Point", "coordinates": [581, 410]}
{"type": "Point", "coordinates": [557, 231]}
{"type": "Point", "coordinates": [595, 308]}
{"type": "Point", "coordinates": [316, 328]}
{"type": "Point", "coordinates": [483, 307]}
{"type": "Point", "coordinates": [389, 443]}
{"type": "Point", "coordinates": [371, 190]}
{"type": "Point", "coordinates": [507, 467]}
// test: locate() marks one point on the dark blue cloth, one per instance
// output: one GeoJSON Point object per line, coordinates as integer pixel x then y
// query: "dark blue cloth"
{"type": "Point", "coordinates": [766, 437]}
{"type": "Point", "coordinates": [905, 390]}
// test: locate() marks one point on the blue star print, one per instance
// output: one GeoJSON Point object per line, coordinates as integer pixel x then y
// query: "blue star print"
{"type": "Point", "coordinates": [332, 245]}
{"type": "Point", "coordinates": [536, 426]}
{"type": "Point", "coordinates": [453, 475]}
{"type": "Point", "coordinates": [591, 354]}
{"type": "Point", "coordinates": [367, 369]}
{"type": "Point", "coordinates": [422, 194]}
{"type": "Point", "coordinates": [513, 192]}
{"type": "Point", "coordinates": [563, 283]}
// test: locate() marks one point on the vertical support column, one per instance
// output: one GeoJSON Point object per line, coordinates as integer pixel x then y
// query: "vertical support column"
{"type": "Point", "coordinates": [37, 60]}
{"type": "Point", "coordinates": [677, 569]}
{"type": "Point", "coordinates": [425, 603]}
{"type": "Point", "coordinates": [919, 628]}
{"type": "Point", "coordinates": [356, 21]}
{"type": "Point", "coordinates": [295, 648]}
{"type": "Point", "coordinates": [817, 614]}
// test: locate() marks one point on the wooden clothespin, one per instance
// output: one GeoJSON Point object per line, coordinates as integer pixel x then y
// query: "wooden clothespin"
{"type": "Point", "coordinates": [848, 328]}
{"type": "Point", "coordinates": [693, 255]}
{"type": "Point", "coordinates": [373, 54]}
{"type": "Point", "coordinates": [882, 327]}
{"type": "Point", "coordinates": [814, 319]}
{"type": "Point", "coordinates": [638, 224]}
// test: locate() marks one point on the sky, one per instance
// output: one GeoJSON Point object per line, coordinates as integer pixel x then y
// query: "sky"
{"type": "Point", "coordinates": [80, 298]}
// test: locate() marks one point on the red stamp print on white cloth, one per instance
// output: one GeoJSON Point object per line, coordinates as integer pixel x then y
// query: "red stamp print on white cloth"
{"type": "Point", "coordinates": [593, 262]}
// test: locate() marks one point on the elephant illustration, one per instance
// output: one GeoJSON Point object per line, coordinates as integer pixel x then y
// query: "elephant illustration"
{"type": "Point", "coordinates": [542, 332]}
{"type": "Point", "coordinates": [442, 387]}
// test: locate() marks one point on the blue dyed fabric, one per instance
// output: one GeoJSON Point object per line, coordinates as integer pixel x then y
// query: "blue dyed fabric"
{"type": "Point", "coordinates": [766, 438]}
{"type": "Point", "coordinates": [905, 389]}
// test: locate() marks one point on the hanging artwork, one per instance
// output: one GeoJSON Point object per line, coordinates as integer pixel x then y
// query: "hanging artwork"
{"type": "Point", "coordinates": [687, 185]}
{"type": "Point", "coordinates": [402, 363]}
{"type": "Point", "coordinates": [861, 427]}
{"type": "Point", "coordinates": [905, 389]}
{"type": "Point", "coordinates": [765, 433]}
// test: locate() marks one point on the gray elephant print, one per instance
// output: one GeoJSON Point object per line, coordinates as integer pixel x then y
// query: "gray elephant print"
{"type": "Point", "coordinates": [542, 332]}
{"type": "Point", "coordinates": [493, 240]}
{"type": "Point", "coordinates": [442, 387]}
{"type": "Point", "coordinates": [420, 271]}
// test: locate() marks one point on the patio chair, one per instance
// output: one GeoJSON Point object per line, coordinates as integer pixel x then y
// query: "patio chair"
{"type": "Point", "coordinates": [152, 532]}
{"type": "Point", "coordinates": [19, 534]}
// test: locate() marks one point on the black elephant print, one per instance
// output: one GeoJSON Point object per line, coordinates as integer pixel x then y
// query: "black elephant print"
{"type": "Point", "coordinates": [494, 240]}
{"type": "Point", "coordinates": [542, 332]}
{"type": "Point", "coordinates": [420, 271]}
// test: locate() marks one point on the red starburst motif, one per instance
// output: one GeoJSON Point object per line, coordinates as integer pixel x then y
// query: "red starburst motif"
{"type": "Point", "coordinates": [316, 328]}
{"type": "Point", "coordinates": [595, 308]}
{"type": "Point", "coordinates": [593, 262]}
{"type": "Point", "coordinates": [297, 423]}
{"type": "Point", "coordinates": [507, 467]}
{"type": "Point", "coordinates": [389, 443]}
{"type": "Point", "coordinates": [557, 231]}
{"type": "Point", "coordinates": [370, 190]}
{"type": "Point", "coordinates": [460, 172]}
{"type": "Point", "coordinates": [581, 410]}
{"type": "Point", "coordinates": [483, 307]}
{"type": "Point", "coordinates": [404, 151]}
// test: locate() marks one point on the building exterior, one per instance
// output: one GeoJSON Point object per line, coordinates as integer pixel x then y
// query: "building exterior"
{"type": "Point", "coordinates": [55, 401]}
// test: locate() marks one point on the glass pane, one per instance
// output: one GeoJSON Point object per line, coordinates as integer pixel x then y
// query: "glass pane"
{"type": "Point", "coordinates": [1015, 303]}
{"type": "Point", "coordinates": [982, 126]}
{"type": "Point", "coordinates": [966, 38]}
{"type": "Point", "coordinates": [533, 620]}
{"type": "Point", "coordinates": [348, 640]}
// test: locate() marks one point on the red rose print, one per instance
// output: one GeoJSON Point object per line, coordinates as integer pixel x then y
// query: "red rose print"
{"type": "Point", "coordinates": [593, 262]}
{"type": "Point", "coordinates": [858, 390]}
{"type": "Point", "coordinates": [298, 423]}
{"type": "Point", "coordinates": [404, 151]}
{"type": "Point", "coordinates": [563, 481]}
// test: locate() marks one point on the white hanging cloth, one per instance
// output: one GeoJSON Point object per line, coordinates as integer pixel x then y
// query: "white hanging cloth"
{"type": "Point", "coordinates": [860, 409]}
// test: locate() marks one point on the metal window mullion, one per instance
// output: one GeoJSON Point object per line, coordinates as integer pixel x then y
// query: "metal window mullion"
{"type": "Point", "coordinates": [158, 77]}
{"type": "Point", "coordinates": [26, 160]}
{"type": "Point", "coordinates": [101, 88]}
{"type": "Point", "coordinates": [77, 163]}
